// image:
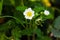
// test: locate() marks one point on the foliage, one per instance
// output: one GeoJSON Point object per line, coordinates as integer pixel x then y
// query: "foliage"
{"type": "Point", "coordinates": [56, 29]}
{"type": "Point", "coordinates": [16, 25]}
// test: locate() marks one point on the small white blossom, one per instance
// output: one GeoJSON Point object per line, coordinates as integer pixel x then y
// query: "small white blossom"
{"type": "Point", "coordinates": [28, 13]}
{"type": "Point", "coordinates": [46, 12]}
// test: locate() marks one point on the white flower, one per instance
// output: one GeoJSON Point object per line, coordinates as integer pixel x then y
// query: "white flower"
{"type": "Point", "coordinates": [46, 12]}
{"type": "Point", "coordinates": [28, 13]}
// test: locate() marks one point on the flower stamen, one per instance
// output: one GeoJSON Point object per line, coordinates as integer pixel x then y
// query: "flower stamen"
{"type": "Point", "coordinates": [29, 14]}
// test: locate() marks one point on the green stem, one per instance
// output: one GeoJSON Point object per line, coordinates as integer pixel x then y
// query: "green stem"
{"type": "Point", "coordinates": [12, 2]}
{"type": "Point", "coordinates": [34, 28]}
{"type": "Point", "coordinates": [1, 3]}
{"type": "Point", "coordinates": [26, 24]}
{"type": "Point", "coordinates": [29, 27]}
{"type": "Point", "coordinates": [30, 24]}
{"type": "Point", "coordinates": [13, 18]}
{"type": "Point", "coordinates": [33, 37]}
{"type": "Point", "coordinates": [22, 3]}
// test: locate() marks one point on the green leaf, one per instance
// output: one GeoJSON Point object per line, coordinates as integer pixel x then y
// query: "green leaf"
{"type": "Point", "coordinates": [57, 23]}
{"type": "Point", "coordinates": [19, 18]}
{"type": "Point", "coordinates": [38, 32]}
{"type": "Point", "coordinates": [28, 31]}
{"type": "Point", "coordinates": [21, 8]}
{"type": "Point", "coordinates": [39, 9]}
{"type": "Point", "coordinates": [7, 25]}
{"type": "Point", "coordinates": [56, 29]}
{"type": "Point", "coordinates": [56, 33]}
{"type": "Point", "coordinates": [40, 35]}
{"type": "Point", "coordinates": [16, 33]}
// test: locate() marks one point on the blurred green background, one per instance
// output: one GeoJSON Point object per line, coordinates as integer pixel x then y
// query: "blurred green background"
{"type": "Point", "coordinates": [11, 29]}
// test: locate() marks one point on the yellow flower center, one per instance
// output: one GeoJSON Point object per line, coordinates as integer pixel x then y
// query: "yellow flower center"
{"type": "Point", "coordinates": [29, 14]}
